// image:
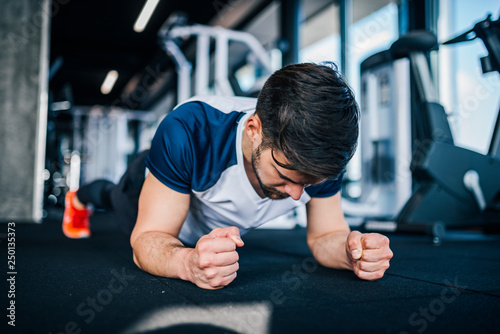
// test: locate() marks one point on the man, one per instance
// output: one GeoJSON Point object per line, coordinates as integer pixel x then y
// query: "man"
{"type": "Point", "coordinates": [221, 166]}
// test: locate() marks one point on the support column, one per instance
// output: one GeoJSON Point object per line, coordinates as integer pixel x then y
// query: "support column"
{"type": "Point", "coordinates": [345, 37]}
{"type": "Point", "coordinates": [24, 49]}
{"type": "Point", "coordinates": [290, 16]}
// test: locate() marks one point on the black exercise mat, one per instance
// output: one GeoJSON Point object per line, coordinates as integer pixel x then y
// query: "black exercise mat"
{"type": "Point", "coordinates": [93, 286]}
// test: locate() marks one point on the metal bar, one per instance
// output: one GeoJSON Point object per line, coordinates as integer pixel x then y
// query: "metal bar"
{"type": "Point", "coordinates": [221, 64]}
{"type": "Point", "coordinates": [423, 77]}
{"type": "Point", "coordinates": [230, 35]}
{"type": "Point", "coordinates": [494, 149]}
{"type": "Point", "coordinates": [183, 69]}
{"type": "Point", "coordinates": [202, 67]}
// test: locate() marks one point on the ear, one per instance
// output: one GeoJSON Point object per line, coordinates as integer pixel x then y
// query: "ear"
{"type": "Point", "coordinates": [253, 129]}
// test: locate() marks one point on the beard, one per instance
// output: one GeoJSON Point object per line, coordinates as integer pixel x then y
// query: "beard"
{"type": "Point", "coordinates": [268, 191]}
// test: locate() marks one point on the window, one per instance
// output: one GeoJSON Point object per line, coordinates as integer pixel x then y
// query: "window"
{"type": "Point", "coordinates": [320, 32]}
{"type": "Point", "coordinates": [374, 29]}
{"type": "Point", "coordinates": [470, 97]}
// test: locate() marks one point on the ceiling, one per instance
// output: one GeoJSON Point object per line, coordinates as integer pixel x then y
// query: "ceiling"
{"type": "Point", "coordinates": [89, 38]}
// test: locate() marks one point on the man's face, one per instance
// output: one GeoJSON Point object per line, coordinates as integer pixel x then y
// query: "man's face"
{"type": "Point", "coordinates": [278, 182]}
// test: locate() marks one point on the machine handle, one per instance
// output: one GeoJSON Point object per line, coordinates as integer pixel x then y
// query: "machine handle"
{"type": "Point", "coordinates": [471, 182]}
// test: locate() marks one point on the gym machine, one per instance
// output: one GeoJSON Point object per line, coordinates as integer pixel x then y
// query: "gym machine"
{"type": "Point", "coordinates": [451, 187]}
{"type": "Point", "coordinates": [173, 36]}
{"type": "Point", "coordinates": [385, 144]}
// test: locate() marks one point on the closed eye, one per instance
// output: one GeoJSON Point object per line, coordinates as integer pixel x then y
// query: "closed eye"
{"type": "Point", "coordinates": [283, 177]}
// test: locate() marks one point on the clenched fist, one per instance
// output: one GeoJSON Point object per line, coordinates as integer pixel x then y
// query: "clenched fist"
{"type": "Point", "coordinates": [369, 254]}
{"type": "Point", "coordinates": [213, 263]}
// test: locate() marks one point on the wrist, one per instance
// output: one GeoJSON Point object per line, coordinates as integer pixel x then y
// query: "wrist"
{"type": "Point", "coordinates": [184, 257]}
{"type": "Point", "coordinates": [347, 263]}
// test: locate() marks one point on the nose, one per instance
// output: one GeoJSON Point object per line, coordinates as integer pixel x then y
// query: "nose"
{"type": "Point", "coordinates": [294, 190]}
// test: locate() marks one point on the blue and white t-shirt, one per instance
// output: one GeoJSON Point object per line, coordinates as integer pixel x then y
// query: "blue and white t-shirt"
{"type": "Point", "coordinates": [197, 150]}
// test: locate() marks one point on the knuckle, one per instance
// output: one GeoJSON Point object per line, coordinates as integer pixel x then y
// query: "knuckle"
{"type": "Point", "coordinates": [205, 261]}
{"type": "Point", "coordinates": [363, 275]}
{"type": "Point", "coordinates": [203, 245]}
{"type": "Point", "coordinates": [228, 279]}
{"type": "Point", "coordinates": [385, 240]}
{"type": "Point", "coordinates": [356, 271]}
{"type": "Point", "coordinates": [210, 274]}
{"type": "Point", "coordinates": [216, 282]}
{"type": "Point", "coordinates": [390, 255]}
{"type": "Point", "coordinates": [361, 265]}
{"type": "Point", "coordinates": [350, 237]}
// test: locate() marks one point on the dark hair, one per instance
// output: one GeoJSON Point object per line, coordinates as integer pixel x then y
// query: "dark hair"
{"type": "Point", "coordinates": [309, 113]}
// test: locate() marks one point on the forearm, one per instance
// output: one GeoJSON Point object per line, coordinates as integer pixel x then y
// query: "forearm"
{"type": "Point", "coordinates": [330, 250]}
{"type": "Point", "coordinates": [161, 254]}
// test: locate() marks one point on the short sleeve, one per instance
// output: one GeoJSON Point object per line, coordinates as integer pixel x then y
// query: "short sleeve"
{"type": "Point", "coordinates": [170, 159]}
{"type": "Point", "coordinates": [325, 189]}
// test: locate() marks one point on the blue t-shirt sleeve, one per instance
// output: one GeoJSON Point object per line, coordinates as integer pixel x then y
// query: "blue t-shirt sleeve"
{"type": "Point", "coordinates": [170, 159]}
{"type": "Point", "coordinates": [325, 189]}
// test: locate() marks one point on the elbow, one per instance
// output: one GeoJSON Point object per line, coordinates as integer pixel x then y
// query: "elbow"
{"type": "Point", "coordinates": [316, 253]}
{"type": "Point", "coordinates": [311, 242]}
{"type": "Point", "coordinates": [136, 261]}
{"type": "Point", "coordinates": [133, 238]}
{"type": "Point", "coordinates": [134, 244]}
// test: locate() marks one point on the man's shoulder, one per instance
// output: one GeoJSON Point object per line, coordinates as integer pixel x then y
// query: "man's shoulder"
{"type": "Point", "coordinates": [224, 104]}
{"type": "Point", "coordinates": [208, 117]}
{"type": "Point", "coordinates": [197, 140]}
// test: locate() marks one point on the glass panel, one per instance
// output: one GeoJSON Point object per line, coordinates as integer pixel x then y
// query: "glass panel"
{"type": "Point", "coordinates": [320, 32]}
{"type": "Point", "coordinates": [246, 77]}
{"type": "Point", "coordinates": [265, 27]}
{"type": "Point", "coordinates": [470, 97]}
{"type": "Point", "coordinates": [374, 29]}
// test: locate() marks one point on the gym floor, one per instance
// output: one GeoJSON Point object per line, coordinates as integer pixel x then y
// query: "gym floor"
{"type": "Point", "coordinates": [93, 286]}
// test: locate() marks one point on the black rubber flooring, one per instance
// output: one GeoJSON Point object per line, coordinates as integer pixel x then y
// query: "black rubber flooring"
{"type": "Point", "coordinates": [93, 286]}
